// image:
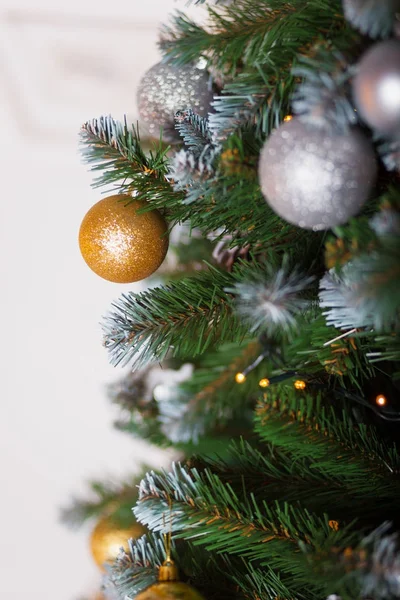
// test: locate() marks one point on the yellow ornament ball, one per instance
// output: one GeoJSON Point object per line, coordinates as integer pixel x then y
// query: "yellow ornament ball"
{"type": "Point", "coordinates": [108, 537]}
{"type": "Point", "coordinates": [168, 587]}
{"type": "Point", "coordinates": [170, 590]}
{"type": "Point", "coordinates": [98, 596]}
{"type": "Point", "coordinates": [119, 244]}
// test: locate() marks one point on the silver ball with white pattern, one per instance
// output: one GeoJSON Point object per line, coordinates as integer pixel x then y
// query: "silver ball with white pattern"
{"type": "Point", "coordinates": [376, 88]}
{"type": "Point", "coordinates": [315, 178]}
{"type": "Point", "coordinates": [165, 89]}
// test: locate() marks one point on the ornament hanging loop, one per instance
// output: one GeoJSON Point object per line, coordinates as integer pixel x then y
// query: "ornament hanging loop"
{"type": "Point", "coordinates": [168, 586]}
{"type": "Point", "coordinates": [168, 536]}
{"type": "Point", "coordinates": [168, 570]}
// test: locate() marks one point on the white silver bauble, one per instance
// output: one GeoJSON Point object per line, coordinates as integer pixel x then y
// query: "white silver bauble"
{"type": "Point", "coordinates": [165, 89]}
{"type": "Point", "coordinates": [314, 178]}
{"type": "Point", "coordinates": [376, 87]}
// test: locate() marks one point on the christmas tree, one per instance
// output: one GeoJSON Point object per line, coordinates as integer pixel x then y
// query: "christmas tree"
{"type": "Point", "coordinates": [267, 358]}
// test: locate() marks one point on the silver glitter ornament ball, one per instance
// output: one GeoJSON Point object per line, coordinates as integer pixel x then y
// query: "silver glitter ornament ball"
{"type": "Point", "coordinates": [164, 89]}
{"type": "Point", "coordinates": [376, 87]}
{"type": "Point", "coordinates": [313, 178]}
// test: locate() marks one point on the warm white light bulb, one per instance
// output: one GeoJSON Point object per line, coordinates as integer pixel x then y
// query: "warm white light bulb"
{"type": "Point", "coordinates": [381, 400]}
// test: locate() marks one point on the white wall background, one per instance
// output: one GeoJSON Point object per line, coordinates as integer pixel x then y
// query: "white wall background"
{"type": "Point", "coordinates": [60, 64]}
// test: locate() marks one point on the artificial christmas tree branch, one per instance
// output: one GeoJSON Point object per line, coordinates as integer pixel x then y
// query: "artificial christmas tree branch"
{"type": "Point", "coordinates": [133, 571]}
{"type": "Point", "coordinates": [387, 349]}
{"type": "Point", "coordinates": [260, 583]}
{"type": "Point", "coordinates": [254, 97]}
{"type": "Point", "coordinates": [105, 496]}
{"type": "Point", "coordinates": [187, 317]}
{"type": "Point", "coordinates": [265, 470]}
{"type": "Point", "coordinates": [145, 326]}
{"type": "Point", "coordinates": [248, 30]}
{"type": "Point", "coordinates": [114, 150]}
{"type": "Point", "coordinates": [218, 508]}
{"type": "Point", "coordinates": [212, 400]}
{"type": "Point", "coordinates": [218, 205]}
{"type": "Point", "coordinates": [353, 453]}
{"type": "Point", "coordinates": [195, 163]}
{"type": "Point", "coordinates": [266, 534]}
{"type": "Point", "coordinates": [199, 413]}
{"type": "Point", "coordinates": [365, 294]}
{"type": "Point", "coordinates": [270, 300]}
{"type": "Point", "coordinates": [266, 540]}
{"type": "Point", "coordinates": [250, 33]}
{"type": "Point", "coordinates": [322, 351]}
{"type": "Point", "coordinates": [194, 131]}
{"type": "Point", "coordinates": [294, 353]}
{"type": "Point", "coordinates": [370, 568]}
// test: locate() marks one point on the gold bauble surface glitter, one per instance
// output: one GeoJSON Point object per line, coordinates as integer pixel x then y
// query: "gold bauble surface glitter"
{"type": "Point", "coordinates": [119, 244]}
{"type": "Point", "coordinates": [108, 537]}
{"type": "Point", "coordinates": [169, 590]}
{"type": "Point", "coordinates": [98, 596]}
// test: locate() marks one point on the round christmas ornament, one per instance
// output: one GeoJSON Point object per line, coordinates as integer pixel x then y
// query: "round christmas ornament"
{"type": "Point", "coordinates": [376, 87]}
{"type": "Point", "coordinates": [168, 586]}
{"type": "Point", "coordinates": [165, 89]}
{"type": "Point", "coordinates": [98, 596]}
{"type": "Point", "coordinates": [108, 537]}
{"type": "Point", "coordinates": [314, 178]}
{"type": "Point", "coordinates": [118, 243]}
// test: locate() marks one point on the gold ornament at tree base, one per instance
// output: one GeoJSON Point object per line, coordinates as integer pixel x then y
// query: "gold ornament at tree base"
{"type": "Point", "coordinates": [119, 244]}
{"type": "Point", "coordinates": [108, 537]}
{"type": "Point", "coordinates": [98, 596]}
{"type": "Point", "coordinates": [168, 587]}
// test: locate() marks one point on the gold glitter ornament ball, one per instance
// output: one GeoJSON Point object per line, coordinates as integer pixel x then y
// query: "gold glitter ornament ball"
{"type": "Point", "coordinates": [108, 537]}
{"type": "Point", "coordinates": [168, 587]}
{"type": "Point", "coordinates": [170, 590]}
{"type": "Point", "coordinates": [119, 244]}
{"type": "Point", "coordinates": [165, 89]}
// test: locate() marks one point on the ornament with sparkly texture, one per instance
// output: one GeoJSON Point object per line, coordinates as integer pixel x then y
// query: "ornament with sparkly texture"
{"type": "Point", "coordinates": [165, 89]}
{"type": "Point", "coordinates": [314, 178]}
{"type": "Point", "coordinates": [98, 596]}
{"type": "Point", "coordinates": [375, 18]}
{"type": "Point", "coordinates": [168, 587]}
{"type": "Point", "coordinates": [108, 537]}
{"type": "Point", "coordinates": [376, 87]}
{"type": "Point", "coordinates": [118, 243]}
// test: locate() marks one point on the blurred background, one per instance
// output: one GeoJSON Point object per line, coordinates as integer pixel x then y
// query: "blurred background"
{"type": "Point", "coordinates": [60, 65]}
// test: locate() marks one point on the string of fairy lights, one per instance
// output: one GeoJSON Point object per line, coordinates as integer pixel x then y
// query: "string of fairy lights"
{"type": "Point", "coordinates": [301, 383]}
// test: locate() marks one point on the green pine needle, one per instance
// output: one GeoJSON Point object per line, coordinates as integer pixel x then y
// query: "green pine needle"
{"type": "Point", "coordinates": [300, 424]}
{"type": "Point", "coordinates": [185, 317]}
{"type": "Point", "coordinates": [114, 151]}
